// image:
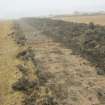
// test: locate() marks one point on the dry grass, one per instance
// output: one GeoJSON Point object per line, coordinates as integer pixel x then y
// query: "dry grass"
{"type": "Point", "coordinates": [97, 19]}
{"type": "Point", "coordinates": [73, 76]}
{"type": "Point", "coordinates": [73, 79]}
{"type": "Point", "coordinates": [8, 71]}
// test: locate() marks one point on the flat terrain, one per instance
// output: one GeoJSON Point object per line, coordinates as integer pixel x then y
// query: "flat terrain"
{"type": "Point", "coordinates": [49, 62]}
{"type": "Point", "coordinates": [97, 19]}
{"type": "Point", "coordinates": [74, 79]}
{"type": "Point", "coordinates": [8, 71]}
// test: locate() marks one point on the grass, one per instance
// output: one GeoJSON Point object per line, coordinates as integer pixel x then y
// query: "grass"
{"type": "Point", "coordinates": [97, 19]}
{"type": "Point", "coordinates": [8, 72]}
{"type": "Point", "coordinates": [86, 42]}
{"type": "Point", "coordinates": [65, 69]}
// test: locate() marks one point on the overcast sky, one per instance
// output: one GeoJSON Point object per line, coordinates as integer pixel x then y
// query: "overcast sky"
{"type": "Point", "coordinates": [23, 8]}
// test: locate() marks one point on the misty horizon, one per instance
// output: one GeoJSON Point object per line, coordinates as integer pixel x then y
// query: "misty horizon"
{"type": "Point", "coordinates": [32, 8]}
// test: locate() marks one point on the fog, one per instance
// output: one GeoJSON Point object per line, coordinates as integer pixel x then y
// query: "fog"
{"type": "Point", "coordinates": [29, 8]}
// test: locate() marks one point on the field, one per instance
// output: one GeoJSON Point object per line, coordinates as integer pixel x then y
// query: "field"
{"type": "Point", "coordinates": [51, 62]}
{"type": "Point", "coordinates": [97, 19]}
{"type": "Point", "coordinates": [8, 72]}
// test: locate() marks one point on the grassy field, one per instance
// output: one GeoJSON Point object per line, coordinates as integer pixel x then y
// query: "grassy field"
{"type": "Point", "coordinates": [8, 71]}
{"type": "Point", "coordinates": [62, 50]}
{"type": "Point", "coordinates": [97, 19]}
{"type": "Point", "coordinates": [52, 62]}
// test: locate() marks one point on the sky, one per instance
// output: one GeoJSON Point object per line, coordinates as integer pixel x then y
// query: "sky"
{"type": "Point", "coordinates": [29, 8]}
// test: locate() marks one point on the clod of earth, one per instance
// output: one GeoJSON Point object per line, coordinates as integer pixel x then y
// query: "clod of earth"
{"type": "Point", "coordinates": [24, 84]}
{"type": "Point", "coordinates": [101, 95]}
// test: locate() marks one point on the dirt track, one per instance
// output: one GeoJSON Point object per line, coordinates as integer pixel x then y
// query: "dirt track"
{"type": "Point", "coordinates": [75, 79]}
{"type": "Point", "coordinates": [75, 75]}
